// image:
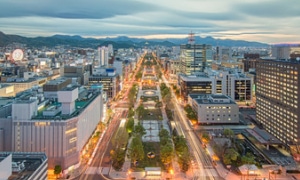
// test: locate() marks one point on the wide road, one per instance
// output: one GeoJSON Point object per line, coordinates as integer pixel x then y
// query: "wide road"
{"type": "Point", "coordinates": [101, 161]}
{"type": "Point", "coordinates": [202, 166]}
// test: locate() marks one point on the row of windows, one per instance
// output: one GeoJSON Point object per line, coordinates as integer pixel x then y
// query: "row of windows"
{"type": "Point", "coordinates": [218, 119]}
{"type": "Point", "coordinates": [219, 114]}
{"type": "Point", "coordinates": [218, 107]}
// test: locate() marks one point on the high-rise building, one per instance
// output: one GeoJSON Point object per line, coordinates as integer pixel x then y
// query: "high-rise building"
{"type": "Point", "coordinates": [195, 58]}
{"type": "Point", "coordinates": [110, 50]}
{"type": "Point", "coordinates": [103, 56]}
{"type": "Point", "coordinates": [224, 53]}
{"type": "Point", "coordinates": [285, 51]}
{"type": "Point", "coordinates": [277, 99]}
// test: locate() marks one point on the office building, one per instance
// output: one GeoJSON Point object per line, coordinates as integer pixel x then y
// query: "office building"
{"type": "Point", "coordinates": [214, 109]}
{"type": "Point", "coordinates": [228, 82]}
{"type": "Point", "coordinates": [109, 79]}
{"type": "Point", "coordinates": [223, 53]}
{"type": "Point", "coordinates": [195, 58]}
{"type": "Point", "coordinates": [285, 51]}
{"type": "Point", "coordinates": [277, 99]}
{"type": "Point", "coordinates": [172, 69]}
{"type": "Point", "coordinates": [77, 73]}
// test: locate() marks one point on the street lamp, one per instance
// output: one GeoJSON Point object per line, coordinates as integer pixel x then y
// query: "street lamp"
{"type": "Point", "coordinates": [274, 172]}
{"type": "Point", "coordinates": [129, 173]}
{"type": "Point", "coordinates": [171, 172]}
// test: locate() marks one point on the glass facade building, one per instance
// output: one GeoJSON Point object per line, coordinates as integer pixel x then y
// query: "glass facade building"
{"type": "Point", "coordinates": [195, 58]}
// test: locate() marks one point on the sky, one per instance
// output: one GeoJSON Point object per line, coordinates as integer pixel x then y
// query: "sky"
{"type": "Point", "coordinates": [267, 21]}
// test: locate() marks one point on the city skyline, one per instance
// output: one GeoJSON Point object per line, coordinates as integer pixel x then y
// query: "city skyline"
{"type": "Point", "coordinates": [252, 20]}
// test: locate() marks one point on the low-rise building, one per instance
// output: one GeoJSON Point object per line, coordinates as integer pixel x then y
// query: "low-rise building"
{"type": "Point", "coordinates": [232, 83]}
{"type": "Point", "coordinates": [23, 165]}
{"type": "Point", "coordinates": [7, 90]}
{"type": "Point", "coordinates": [214, 109]}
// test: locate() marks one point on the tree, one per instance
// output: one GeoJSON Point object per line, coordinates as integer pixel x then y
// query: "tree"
{"type": "Point", "coordinates": [167, 98]}
{"type": "Point", "coordinates": [136, 150]}
{"type": "Point", "coordinates": [158, 104]}
{"type": "Point", "coordinates": [165, 138]}
{"type": "Point", "coordinates": [130, 125]}
{"type": "Point", "coordinates": [180, 144]}
{"type": "Point", "coordinates": [177, 92]}
{"type": "Point", "coordinates": [248, 159]}
{"type": "Point", "coordinates": [139, 130]}
{"type": "Point", "coordinates": [118, 157]}
{"type": "Point", "coordinates": [140, 110]}
{"type": "Point", "coordinates": [130, 112]}
{"type": "Point", "coordinates": [138, 75]}
{"type": "Point", "coordinates": [228, 133]}
{"type": "Point", "coordinates": [166, 153]}
{"type": "Point", "coordinates": [205, 137]}
{"type": "Point", "coordinates": [184, 160]}
{"type": "Point", "coordinates": [190, 113]}
{"type": "Point", "coordinates": [57, 170]}
{"type": "Point", "coordinates": [164, 133]}
{"type": "Point", "coordinates": [109, 112]}
{"type": "Point", "coordinates": [230, 155]}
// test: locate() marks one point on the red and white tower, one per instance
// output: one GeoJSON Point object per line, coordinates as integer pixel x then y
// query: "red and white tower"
{"type": "Point", "coordinates": [191, 38]}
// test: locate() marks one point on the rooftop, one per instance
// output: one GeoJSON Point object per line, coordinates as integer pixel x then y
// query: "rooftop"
{"type": "Point", "coordinates": [218, 96]}
{"type": "Point", "coordinates": [81, 103]}
{"type": "Point", "coordinates": [195, 78]}
{"type": "Point", "coordinates": [69, 88]}
{"type": "Point", "coordinates": [31, 160]}
{"type": "Point", "coordinates": [56, 81]}
{"type": "Point", "coordinates": [4, 85]}
{"type": "Point", "coordinates": [212, 99]}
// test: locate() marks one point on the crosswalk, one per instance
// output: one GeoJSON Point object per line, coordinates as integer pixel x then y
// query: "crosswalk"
{"type": "Point", "coordinates": [93, 170]}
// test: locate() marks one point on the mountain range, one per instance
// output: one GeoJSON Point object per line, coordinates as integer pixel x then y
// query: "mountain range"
{"type": "Point", "coordinates": [118, 42]}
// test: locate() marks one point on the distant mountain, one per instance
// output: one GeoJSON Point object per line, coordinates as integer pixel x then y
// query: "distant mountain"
{"type": "Point", "coordinates": [118, 42]}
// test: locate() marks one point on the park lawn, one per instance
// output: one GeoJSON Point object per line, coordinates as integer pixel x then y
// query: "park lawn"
{"type": "Point", "coordinates": [153, 114]}
{"type": "Point", "coordinates": [149, 98]}
{"type": "Point", "coordinates": [147, 87]}
{"type": "Point", "coordinates": [147, 162]}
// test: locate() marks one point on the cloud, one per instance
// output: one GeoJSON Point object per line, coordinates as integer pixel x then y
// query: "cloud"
{"type": "Point", "coordinates": [270, 9]}
{"type": "Point", "coordinates": [263, 20]}
{"type": "Point", "coordinates": [73, 9]}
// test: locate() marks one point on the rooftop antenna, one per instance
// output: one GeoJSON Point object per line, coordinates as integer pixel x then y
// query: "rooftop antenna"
{"type": "Point", "coordinates": [191, 38]}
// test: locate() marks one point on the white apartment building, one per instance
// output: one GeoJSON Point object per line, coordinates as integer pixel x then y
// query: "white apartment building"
{"type": "Point", "coordinates": [103, 53]}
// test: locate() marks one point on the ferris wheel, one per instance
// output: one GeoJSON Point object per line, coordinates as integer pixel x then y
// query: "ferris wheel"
{"type": "Point", "coordinates": [17, 55]}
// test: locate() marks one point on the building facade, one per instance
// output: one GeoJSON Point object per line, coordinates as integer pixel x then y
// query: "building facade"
{"type": "Point", "coordinates": [277, 99]}
{"type": "Point", "coordinates": [195, 58]}
{"type": "Point", "coordinates": [108, 78]}
{"type": "Point", "coordinates": [285, 51]}
{"type": "Point", "coordinates": [233, 84]}
{"type": "Point", "coordinates": [23, 165]}
{"type": "Point", "coordinates": [214, 109]}
{"type": "Point", "coordinates": [59, 128]}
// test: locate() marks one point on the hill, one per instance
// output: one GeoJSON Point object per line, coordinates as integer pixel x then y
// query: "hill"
{"type": "Point", "coordinates": [118, 42]}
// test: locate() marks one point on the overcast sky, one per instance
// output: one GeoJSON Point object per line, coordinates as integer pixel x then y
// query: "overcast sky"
{"type": "Point", "coordinates": [269, 21]}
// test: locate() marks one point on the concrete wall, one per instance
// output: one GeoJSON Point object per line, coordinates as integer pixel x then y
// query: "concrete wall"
{"type": "Point", "coordinates": [5, 168]}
